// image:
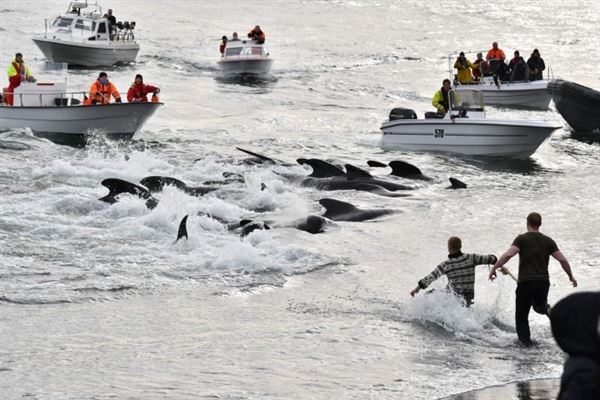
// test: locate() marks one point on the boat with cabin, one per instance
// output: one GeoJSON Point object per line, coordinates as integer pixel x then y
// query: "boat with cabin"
{"type": "Point", "coordinates": [50, 111]}
{"type": "Point", "coordinates": [521, 94]}
{"type": "Point", "coordinates": [83, 37]}
{"type": "Point", "coordinates": [245, 58]}
{"type": "Point", "coordinates": [464, 129]}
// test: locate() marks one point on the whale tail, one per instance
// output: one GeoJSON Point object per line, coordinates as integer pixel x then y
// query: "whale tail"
{"type": "Point", "coordinates": [117, 186]}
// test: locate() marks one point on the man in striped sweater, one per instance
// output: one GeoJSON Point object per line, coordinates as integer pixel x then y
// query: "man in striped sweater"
{"type": "Point", "coordinates": [460, 270]}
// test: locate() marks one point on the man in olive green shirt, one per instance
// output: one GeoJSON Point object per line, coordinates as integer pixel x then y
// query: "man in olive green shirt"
{"type": "Point", "coordinates": [534, 249]}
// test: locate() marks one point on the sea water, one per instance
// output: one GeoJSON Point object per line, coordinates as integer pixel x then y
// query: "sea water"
{"type": "Point", "coordinates": [98, 301]}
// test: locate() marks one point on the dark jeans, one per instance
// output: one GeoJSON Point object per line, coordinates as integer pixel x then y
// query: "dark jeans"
{"type": "Point", "coordinates": [530, 294]}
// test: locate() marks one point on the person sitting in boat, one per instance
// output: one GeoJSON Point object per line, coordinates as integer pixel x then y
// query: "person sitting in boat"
{"type": "Point", "coordinates": [519, 71]}
{"type": "Point", "coordinates": [102, 89]}
{"type": "Point", "coordinates": [482, 67]}
{"type": "Point", "coordinates": [17, 72]}
{"type": "Point", "coordinates": [464, 68]}
{"type": "Point", "coordinates": [536, 66]}
{"type": "Point", "coordinates": [257, 34]}
{"type": "Point", "coordinates": [138, 92]}
{"type": "Point", "coordinates": [234, 37]}
{"type": "Point", "coordinates": [222, 45]}
{"type": "Point", "coordinates": [440, 99]}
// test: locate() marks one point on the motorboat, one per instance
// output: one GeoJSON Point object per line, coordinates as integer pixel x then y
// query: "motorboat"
{"type": "Point", "coordinates": [243, 58]}
{"type": "Point", "coordinates": [50, 111]}
{"type": "Point", "coordinates": [579, 105]}
{"type": "Point", "coordinates": [81, 36]}
{"type": "Point", "coordinates": [464, 129]}
{"type": "Point", "coordinates": [522, 94]}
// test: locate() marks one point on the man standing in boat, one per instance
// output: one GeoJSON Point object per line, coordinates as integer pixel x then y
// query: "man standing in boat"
{"type": "Point", "coordinates": [440, 98]}
{"type": "Point", "coordinates": [536, 66]}
{"type": "Point", "coordinates": [102, 89]}
{"type": "Point", "coordinates": [534, 249]}
{"type": "Point", "coordinates": [17, 72]}
{"type": "Point", "coordinates": [496, 58]}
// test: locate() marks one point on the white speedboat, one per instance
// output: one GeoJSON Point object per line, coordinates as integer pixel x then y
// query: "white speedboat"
{"type": "Point", "coordinates": [524, 94]}
{"type": "Point", "coordinates": [245, 57]}
{"type": "Point", "coordinates": [82, 37]}
{"type": "Point", "coordinates": [50, 111]}
{"type": "Point", "coordinates": [465, 130]}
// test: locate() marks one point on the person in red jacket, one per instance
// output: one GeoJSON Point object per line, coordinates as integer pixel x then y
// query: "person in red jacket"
{"type": "Point", "coordinates": [257, 34]}
{"type": "Point", "coordinates": [139, 91]}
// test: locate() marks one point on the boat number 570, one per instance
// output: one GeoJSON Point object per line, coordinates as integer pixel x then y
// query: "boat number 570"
{"type": "Point", "coordinates": [438, 133]}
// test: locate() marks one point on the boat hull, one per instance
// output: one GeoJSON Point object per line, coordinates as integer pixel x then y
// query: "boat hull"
{"type": "Point", "coordinates": [257, 66]}
{"type": "Point", "coordinates": [473, 137]}
{"type": "Point", "coordinates": [87, 54]}
{"type": "Point", "coordinates": [117, 120]}
{"type": "Point", "coordinates": [578, 105]}
{"type": "Point", "coordinates": [532, 95]}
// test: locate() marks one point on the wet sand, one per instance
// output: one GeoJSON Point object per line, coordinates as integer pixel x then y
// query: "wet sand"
{"type": "Point", "coordinates": [538, 389]}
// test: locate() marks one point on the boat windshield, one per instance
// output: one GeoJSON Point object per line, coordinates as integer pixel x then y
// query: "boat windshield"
{"type": "Point", "coordinates": [63, 21]}
{"type": "Point", "coordinates": [470, 100]}
{"type": "Point", "coordinates": [85, 24]}
{"type": "Point", "coordinates": [234, 51]}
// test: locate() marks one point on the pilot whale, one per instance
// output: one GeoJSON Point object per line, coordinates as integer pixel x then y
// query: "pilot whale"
{"type": "Point", "coordinates": [337, 210]}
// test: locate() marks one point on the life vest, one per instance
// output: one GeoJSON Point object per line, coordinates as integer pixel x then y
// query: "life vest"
{"type": "Point", "coordinates": [18, 75]}
{"type": "Point", "coordinates": [495, 54]}
{"type": "Point", "coordinates": [105, 92]}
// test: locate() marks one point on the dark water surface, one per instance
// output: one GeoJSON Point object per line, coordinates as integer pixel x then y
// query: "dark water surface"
{"type": "Point", "coordinates": [97, 301]}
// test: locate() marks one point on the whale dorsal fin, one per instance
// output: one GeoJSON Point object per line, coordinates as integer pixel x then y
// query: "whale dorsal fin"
{"type": "Point", "coordinates": [321, 169]}
{"type": "Point", "coordinates": [336, 207]}
{"type": "Point", "coordinates": [182, 232]}
{"type": "Point", "coordinates": [403, 169]}
{"type": "Point", "coordinates": [354, 172]}
{"type": "Point", "coordinates": [457, 184]}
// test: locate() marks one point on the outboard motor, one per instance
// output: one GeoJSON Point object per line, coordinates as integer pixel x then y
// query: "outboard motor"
{"type": "Point", "coordinates": [402, 113]}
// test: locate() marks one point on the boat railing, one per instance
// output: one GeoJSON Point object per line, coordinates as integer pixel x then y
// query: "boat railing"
{"type": "Point", "coordinates": [46, 99]}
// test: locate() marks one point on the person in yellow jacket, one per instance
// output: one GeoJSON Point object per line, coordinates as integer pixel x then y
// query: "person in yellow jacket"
{"type": "Point", "coordinates": [464, 67]}
{"type": "Point", "coordinates": [17, 72]}
{"type": "Point", "coordinates": [441, 99]}
{"type": "Point", "coordinates": [102, 89]}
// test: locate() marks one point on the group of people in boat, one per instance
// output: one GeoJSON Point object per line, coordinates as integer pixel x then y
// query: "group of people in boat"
{"type": "Point", "coordinates": [495, 65]}
{"type": "Point", "coordinates": [101, 91]}
{"type": "Point", "coordinates": [255, 34]}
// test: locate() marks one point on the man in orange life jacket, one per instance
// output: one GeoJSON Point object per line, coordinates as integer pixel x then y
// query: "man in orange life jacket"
{"type": "Point", "coordinates": [139, 91]}
{"type": "Point", "coordinates": [17, 72]}
{"type": "Point", "coordinates": [102, 89]}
